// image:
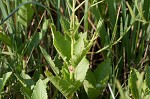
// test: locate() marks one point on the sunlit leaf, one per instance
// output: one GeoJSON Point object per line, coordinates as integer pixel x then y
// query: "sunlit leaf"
{"type": "Point", "coordinates": [39, 91]}
{"type": "Point", "coordinates": [65, 87]}
{"type": "Point", "coordinates": [25, 15]}
{"type": "Point", "coordinates": [3, 80]}
{"type": "Point", "coordinates": [62, 45]}
{"type": "Point", "coordinates": [81, 70]}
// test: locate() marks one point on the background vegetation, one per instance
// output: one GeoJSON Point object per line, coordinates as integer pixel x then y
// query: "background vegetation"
{"type": "Point", "coordinates": [74, 49]}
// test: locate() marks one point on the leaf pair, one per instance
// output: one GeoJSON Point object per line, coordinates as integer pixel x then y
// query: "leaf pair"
{"type": "Point", "coordinates": [96, 81]}
{"type": "Point", "coordinates": [66, 86]}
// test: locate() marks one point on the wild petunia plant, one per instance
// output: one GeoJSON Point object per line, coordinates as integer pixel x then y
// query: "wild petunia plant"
{"type": "Point", "coordinates": [72, 49]}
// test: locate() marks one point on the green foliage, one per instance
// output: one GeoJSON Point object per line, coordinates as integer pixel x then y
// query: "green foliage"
{"type": "Point", "coordinates": [74, 72]}
{"type": "Point", "coordinates": [97, 81]}
{"type": "Point", "coordinates": [59, 41]}
{"type": "Point", "coordinates": [138, 85]}
{"type": "Point", "coordinates": [74, 49]}
{"type": "Point", "coordinates": [25, 15]}
{"type": "Point", "coordinates": [50, 61]}
{"type": "Point", "coordinates": [147, 76]}
{"type": "Point", "coordinates": [39, 90]}
{"type": "Point", "coordinates": [3, 80]}
{"type": "Point", "coordinates": [134, 84]}
{"type": "Point", "coordinates": [37, 37]}
{"type": "Point", "coordinates": [81, 70]}
{"type": "Point", "coordinates": [6, 40]}
{"type": "Point", "coordinates": [64, 86]}
{"type": "Point", "coordinates": [99, 74]}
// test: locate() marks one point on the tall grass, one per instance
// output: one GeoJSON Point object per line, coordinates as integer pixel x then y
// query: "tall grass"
{"type": "Point", "coordinates": [106, 42]}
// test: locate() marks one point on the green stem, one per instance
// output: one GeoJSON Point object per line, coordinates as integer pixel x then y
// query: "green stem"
{"type": "Point", "coordinates": [72, 27]}
{"type": "Point", "coordinates": [73, 14]}
{"type": "Point", "coordinates": [71, 75]}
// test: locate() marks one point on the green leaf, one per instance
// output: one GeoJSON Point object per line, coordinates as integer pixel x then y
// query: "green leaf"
{"type": "Point", "coordinates": [97, 81]}
{"type": "Point", "coordinates": [27, 80]}
{"type": "Point", "coordinates": [58, 61]}
{"type": "Point", "coordinates": [6, 40]}
{"type": "Point", "coordinates": [26, 92]}
{"type": "Point", "coordinates": [62, 45]}
{"type": "Point", "coordinates": [91, 77]}
{"type": "Point", "coordinates": [89, 86]}
{"type": "Point", "coordinates": [39, 91]}
{"type": "Point", "coordinates": [81, 70]}
{"type": "Point", "coordinates": [147, 76]}
{"type": "Point", "coordinates": [120, 89]}
{"type": "Point", "coordinates": [131, 11]}
{"type": "Point", "coordinates": [92, 91]}
{"type": "Point", "coordinates": [4, 13]}
{"type": "Point", "coordinates": [80, 54]}
{"type": "Point", "coordinates": [99, 73]}
{"type": "Point", "coordinates": [148, 33]}
{"type": "Point", "coordinates": [65, 73]}
{"type": "Point", "coordinates": [65, 87]}
{"type": "Point", "coordinates": [146, 6]}
{"type": "Point", "coordinates": [25, 14]}
{"type": "Point", "coordinates": [37, 37]}
{"type": "Point", "coordinates": [133, 83]}
{"type": "Point", "coordinates": [77, 53]}
{"type": "Point", "coordinates": [112, 11]}
{"type": "Point", "coordinates": [50, 61]}
{"type": "Point", "coordinates": [3, 80]}
{"type": "Point", "coordinates": [27, 84]}
{"type": "Point", "coordinates": [65, 25]}
{"type": "Point", "coordinates": [79, 45]}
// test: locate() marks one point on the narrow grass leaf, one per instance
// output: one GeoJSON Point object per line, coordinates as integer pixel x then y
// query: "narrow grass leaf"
{"type": "Point", "coordinates": [147, 37]}
{"type": "Point", "coordinates": [146, 10]}
{"type": "Point", "coordinates": [86, 15]}
{"type": "Point", "coordinates": [4, 14]}
{"type": "Point", "coordinates": [131, 11]}
{"type": "Point", "coordinates": [122, 95]}
{"type": "Point", "coordinates": [112, 11]}
{"type": "Point", "coordinates": [147, 76]}
{"type": "Point", "coordinates": [37, 37]}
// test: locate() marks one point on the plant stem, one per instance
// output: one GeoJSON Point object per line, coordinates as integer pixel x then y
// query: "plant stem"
{"type": "Point", "coordinates": [72, 27]}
